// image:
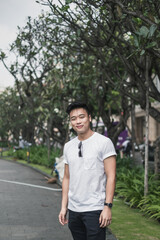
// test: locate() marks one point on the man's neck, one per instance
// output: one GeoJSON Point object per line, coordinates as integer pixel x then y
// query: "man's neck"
{"type": "Point", "coordinates": [85, 136]}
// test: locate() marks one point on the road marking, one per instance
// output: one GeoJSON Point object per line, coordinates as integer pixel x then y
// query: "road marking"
{"type": "Point", "coordinates": [31, 185]}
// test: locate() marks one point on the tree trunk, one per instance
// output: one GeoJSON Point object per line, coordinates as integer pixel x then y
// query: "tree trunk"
{"type": "Point", "coordinates": [49, 133]}
{"type": "Point", "coordinates": [157, 158]}
{"type": "Point", "coordinates": [133, 127]}
{"type": "Point", "coordinates": [48, 146]}
{"type": "Point", "coordinates": [147, 130]}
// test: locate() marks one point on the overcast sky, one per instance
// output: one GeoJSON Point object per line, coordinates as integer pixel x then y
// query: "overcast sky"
{"type": "Point", "coordinates": [13, 13]}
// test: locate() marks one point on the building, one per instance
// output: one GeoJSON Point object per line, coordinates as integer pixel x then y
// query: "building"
{"type": "Point", "coordinates": [154, 126]}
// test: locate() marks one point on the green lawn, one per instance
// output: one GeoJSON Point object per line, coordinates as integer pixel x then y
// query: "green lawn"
{"type": "Point", "coordinates": [130, 224]}
{"type": "Point", "coordinates": [40, 167]}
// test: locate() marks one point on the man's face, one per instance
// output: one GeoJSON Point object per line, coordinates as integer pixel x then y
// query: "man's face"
{"type": "Point", "coordinates": [80, 120]}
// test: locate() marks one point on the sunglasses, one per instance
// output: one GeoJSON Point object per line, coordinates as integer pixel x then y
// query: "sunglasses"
{"type": "Point", "coordinates": [79, 147]}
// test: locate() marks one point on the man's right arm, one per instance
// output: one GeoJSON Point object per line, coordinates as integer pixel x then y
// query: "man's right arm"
{"type": "Point", "coordinates": [65, 188]}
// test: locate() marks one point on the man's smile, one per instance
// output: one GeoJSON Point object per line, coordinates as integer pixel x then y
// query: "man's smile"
{"type": "Point", "coordinates": [79, 126]}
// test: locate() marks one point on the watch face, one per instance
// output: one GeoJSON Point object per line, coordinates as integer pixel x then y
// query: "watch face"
{"type": "Point", "coordinates": [110, 205]}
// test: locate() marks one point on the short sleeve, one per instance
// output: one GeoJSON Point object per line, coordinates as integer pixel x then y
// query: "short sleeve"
{"type": "Point", "coordinates": [108, 149]}
{"type": "Point", "coordinates": [65, 160]}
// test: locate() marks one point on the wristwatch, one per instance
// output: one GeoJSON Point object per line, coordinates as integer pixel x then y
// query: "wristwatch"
{"type": "Point", "coordinates": [108, 204]}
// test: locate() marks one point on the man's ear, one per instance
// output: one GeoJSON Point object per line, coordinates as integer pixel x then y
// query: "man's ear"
{"type": "Point", "coordinates": [90, 119]}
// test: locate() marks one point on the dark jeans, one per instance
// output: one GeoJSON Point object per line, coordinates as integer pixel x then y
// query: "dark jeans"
{"type": "Point", "coordinates": [85, 225]}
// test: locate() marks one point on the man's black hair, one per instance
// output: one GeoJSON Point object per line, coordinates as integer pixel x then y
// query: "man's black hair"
{"type": "Point", "coordinates": [75, 105]}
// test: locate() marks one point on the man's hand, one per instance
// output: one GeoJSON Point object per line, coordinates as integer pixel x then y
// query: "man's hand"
{"type": "Point", "coordinates": [62, 217]}
{"type": "Point", "coordinates": [105, 217]}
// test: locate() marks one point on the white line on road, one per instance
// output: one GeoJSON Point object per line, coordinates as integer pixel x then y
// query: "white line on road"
{"type": "Point", "coordinates": [31, 185]}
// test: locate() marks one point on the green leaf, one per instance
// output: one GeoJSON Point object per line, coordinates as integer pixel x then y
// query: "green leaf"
{"type": "Point", "coordinates": [142, 52]}
{"type": "Point", "coordinates": [152, 30]}
{"type": "Point", "coordinates": [78, 32]}
{"type": "Point", "coordinates": [156, 20]}
{"type": "Point", "coordinates": [60, 20]}
{"type": "Point", "coordinates": [144, 31]}
{"type": "Point", "coordinates": [2, 55]}
{"type": "Point", "coordinates": [152, 44]}
{"type": "Point", "coordinates": [136, 42]}
{"type": "Point", "coordinates": [87, 10]}
{"type": "Point", "coordinates": [65, 8]}
{"type": "Point", "coordinates": [68, 1]}
{"type": "Point", "coordinates": [115, 93]}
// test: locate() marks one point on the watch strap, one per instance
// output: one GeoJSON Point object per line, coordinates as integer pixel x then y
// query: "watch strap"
{"type": "Point", "coordinates": [108, 204]}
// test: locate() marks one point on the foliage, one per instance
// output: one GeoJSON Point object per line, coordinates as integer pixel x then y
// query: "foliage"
{"type": "Point", "coordinates": [130, 183]}
{"type": "Point", "coordinates": [120, 35]}
{"type": "Point", "coordinates": [150, 204]}
{"type": "Point", "coordinates": [38, 85]}
{"type": "Point", "coordinates": [11, 119]}
{"type": "Point", "coordinates": [38, 155]}
{"type": "Point", "coordinates": [96, 53]}
{"type": "Point", "coordinates": [3, 144]}
{"type": "Point", "coordinates": [130, 187]}
{"type": "Point", "coordinates": [55, 69]}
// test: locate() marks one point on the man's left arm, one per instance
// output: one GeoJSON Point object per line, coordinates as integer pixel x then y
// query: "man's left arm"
{"type": "Point", "coordinates": [110, 170]}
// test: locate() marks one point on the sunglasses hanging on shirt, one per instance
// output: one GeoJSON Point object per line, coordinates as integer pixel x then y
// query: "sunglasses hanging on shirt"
{"type": "Point", "coordinates": [80, 150]}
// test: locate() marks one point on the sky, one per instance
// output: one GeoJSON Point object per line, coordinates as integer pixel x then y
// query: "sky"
{"type": "Point", "coordinates": [13, 13]}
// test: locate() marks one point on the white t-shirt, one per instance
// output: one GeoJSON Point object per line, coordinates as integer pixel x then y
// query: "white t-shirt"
{"type": "Point", "coordinates": [87, 184]}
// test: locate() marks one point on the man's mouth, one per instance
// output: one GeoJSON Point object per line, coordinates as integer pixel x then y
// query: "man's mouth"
{"type": "Point", "coordinates": [79, 127]}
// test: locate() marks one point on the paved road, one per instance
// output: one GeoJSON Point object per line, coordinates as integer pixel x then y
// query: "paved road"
{"type": "Point", "coordinates": [28, 212]}
{"type": "Point", "coordinates": [29, 207]}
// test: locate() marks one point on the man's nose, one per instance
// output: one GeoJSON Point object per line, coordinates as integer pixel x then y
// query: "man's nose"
{"type": "Point", "coordinates": [78, 120]}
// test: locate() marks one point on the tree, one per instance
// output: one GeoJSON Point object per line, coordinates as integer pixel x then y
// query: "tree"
{"type": "Point", "coordinates": [78, 54]}
{"type": "Point", "coordinates": [34, 63]}
{"type": "Point", "coordinates": [120, 34]}
{"type": "Point", "coordinates": [11, 118]}
{"type": "Point", "coordinates": [126, 31]}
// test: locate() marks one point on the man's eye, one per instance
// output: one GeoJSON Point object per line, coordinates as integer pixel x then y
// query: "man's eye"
{"type": "Point", "coordinates": [81, 116]}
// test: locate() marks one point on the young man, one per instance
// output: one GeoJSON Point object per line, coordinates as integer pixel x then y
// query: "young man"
{"type": "Point", "coordinates": [89, 178]}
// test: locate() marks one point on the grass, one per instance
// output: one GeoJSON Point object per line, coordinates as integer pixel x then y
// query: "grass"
{"type": "Point", "coordinates": [40, 167]}
{"type": "Point", "coordinates": [131, 224]}
{"type": "Point", "coordinates": [4, 154]}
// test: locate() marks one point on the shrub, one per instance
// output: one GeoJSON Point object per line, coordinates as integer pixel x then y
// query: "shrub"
{"type": "Point", "coordinates": [38, 155]}
{"type": "Point", "coordinates": [150, 204]}
{"type": "Point", "coordinates": [130, 187]}
{"type": "Point", "coordinates": [3, 144]}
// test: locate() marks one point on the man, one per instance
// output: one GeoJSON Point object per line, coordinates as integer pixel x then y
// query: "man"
{"type": "Point", "coordinates": [127, 146]}
{"type": "Point", "coordinates": [89, 160]}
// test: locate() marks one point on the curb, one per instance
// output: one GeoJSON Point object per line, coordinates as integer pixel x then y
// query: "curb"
{"type": "Point", "coordinates": [109, 234]}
